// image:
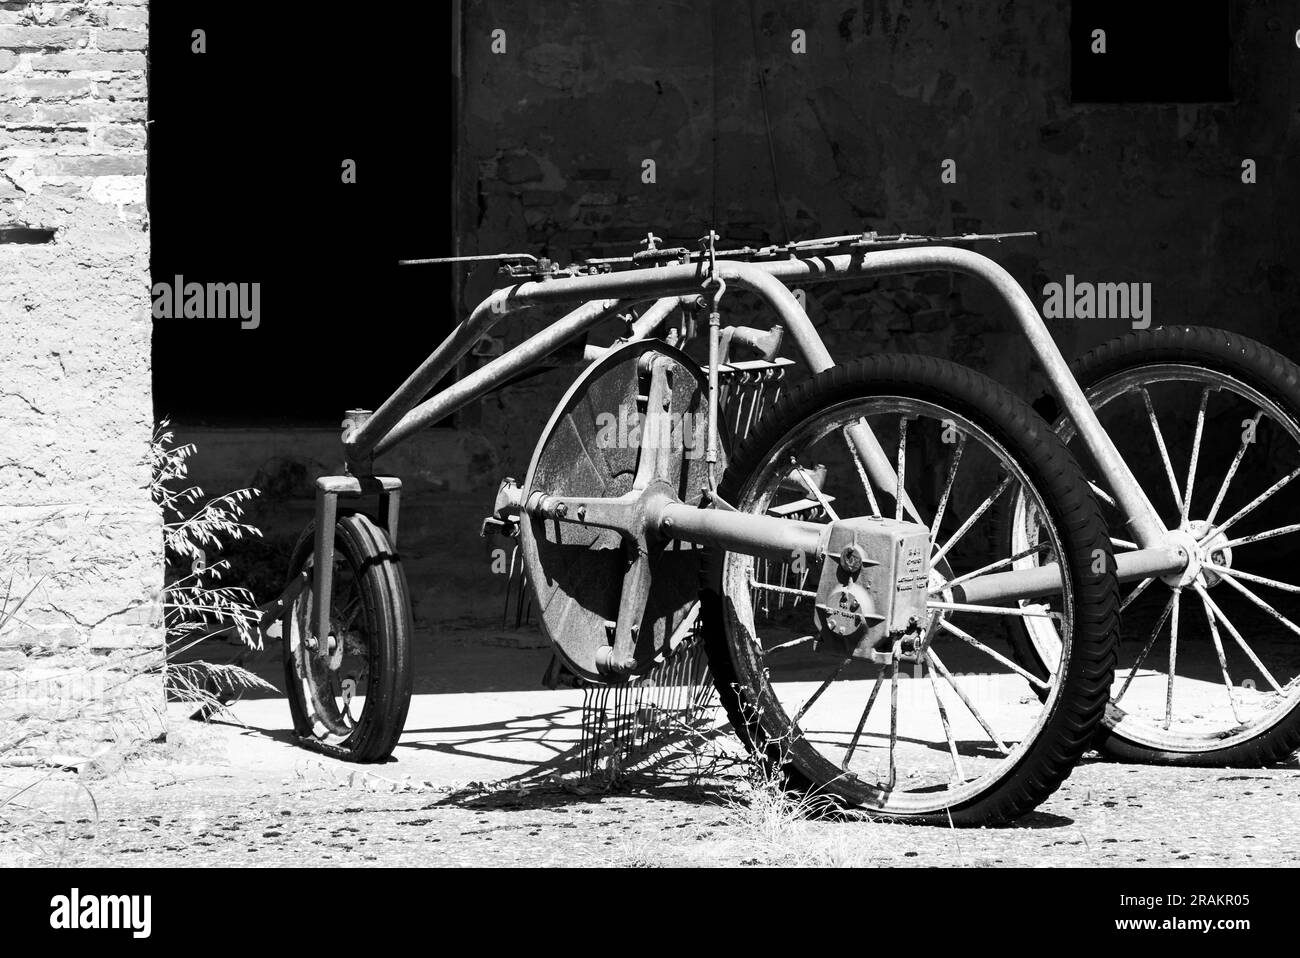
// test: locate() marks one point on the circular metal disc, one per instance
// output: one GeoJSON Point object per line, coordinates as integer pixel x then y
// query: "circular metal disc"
{"type": "Point", "coordinates": [591, 447]}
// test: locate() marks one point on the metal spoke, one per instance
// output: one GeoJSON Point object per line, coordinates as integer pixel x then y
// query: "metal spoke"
{"type": "Point", "coordinates": [997, 656]}
{"type": "Point", "coordinates": [988, 729]}
{"type": "Point", "coordinates": [1231, 579]}
{"type": "Point", "coordinates": [1164, 453]}
{"type": "Point", "coordinates": [1032, 611]}
{"type": "Point", "coordinates": [1223, 658]}
{"type": "Point", "coordinates": [1247, 438]}
{"type": "Point", "coordinates": [902, 466]}
{"type": "Point", "coordinates": [862, 470]}
{"type": "Point", "coordinates": [862, 722]}
{"type": "Point", "coordinates": [1259, 536]}
{"type": "Point", "coordinates": [893, 717]}
{"type": "Point", "coordinates": [971, 520]}
{"type": "Point", "coordinates": [1155, 634]}
{"type": "Point", "coordinates": [991, 566]}
{"type": "Point", "coordinates": [959, 775]}
{"type": "Point", "coordinates": [1232, 630]}
{"type": "Point", "coordinates": [835, 673]}
{"type": "Point", "coordinates": [947, 487]}
{"type": "Point", "coordinates": [1173, 658]}
{"type": "Point", "coordinates": [1196, 454]}
{"type": "Point", "coordinates": [1251, 506]}
{"type": "Point", "coordinates": [1141, 587]}
{"type": "Point", "coordinates": [1251, 577]}
{"type": "Point", "coordinates": [1122, 543]}
{"type": "Point", "coordinates": [813, 488]}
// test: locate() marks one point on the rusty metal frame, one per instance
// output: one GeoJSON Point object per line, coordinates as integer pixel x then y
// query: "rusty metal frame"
{"type": "Point", "coordinates": [601, 294]}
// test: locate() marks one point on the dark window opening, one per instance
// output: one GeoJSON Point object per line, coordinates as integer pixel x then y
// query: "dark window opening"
{"type": "Point", "coordinates": [246, 149]}
{"type": "Point", "coordinates": [1161, 52]}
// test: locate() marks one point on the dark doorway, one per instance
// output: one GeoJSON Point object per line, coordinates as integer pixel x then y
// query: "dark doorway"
{"type": "Point", "coordinates": [247, 146]}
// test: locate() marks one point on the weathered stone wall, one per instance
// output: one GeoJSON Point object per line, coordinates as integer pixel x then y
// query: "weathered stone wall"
{"type": "Point", "coordinates": [556, 130]}
{"type": "Point", "coordinates": [76, 520]}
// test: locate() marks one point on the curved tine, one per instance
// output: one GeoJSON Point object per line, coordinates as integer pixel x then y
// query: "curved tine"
{"type": "Point", "coordinates": [965, 576]}
{"type": "Point", "coordinates": [893, 717]}
{"type": "Point", "coordinates": [1196, 454]}
{"type": "Point", "coordinates": [1232, 630]}
{"type": "Point", "coordinates": [996, 739]}
{"type": "Point", "coordinates": [772, 587]}
{"type": "Point", "coordinates": [1223, 658]}
{"type": "Point", "coordinates": [1247, 437]}
{"type": "Point", "coordinates": [1251, 577]}
{"type": "Point", "coordinates": [835, 673]}
{"type": "Point", "coordinates": [862, 472]}
{"type": "Point", "coordinates": [1228, 576]}
{"type": "Point", "coordinates": [1164, 452]}
{"type": "Point", "coordinates": [996, 656]}
{"type": "Point", "coordinates": [972, 519]}
{"type": "Point", "coordinates": [862, 722]}
{"type": "Point", "coordinates": [959, 775]}
{"type": "Point", "coordinates": [901, 468]}
{"type": "Point", "coordinates": [1141, 587]}
{"type": "Point", "coordinates": [947, 486]}
{"type": "Point", "coordinates": [1155, 634]}
{"type": "Point", "coordinates": [1173, 658]}
{"type": "Point", "coordinates": [1260, 536]}
{"type": "Point", "coordinates": [1032, 611]}
{"type": "Point", "coordinates": [802, 640]}
{"type": "Point", "coordinates": [1251, 506]}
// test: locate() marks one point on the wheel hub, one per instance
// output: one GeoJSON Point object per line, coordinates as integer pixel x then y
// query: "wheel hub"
{"type": "Point", "coordinates": [1200, 551]}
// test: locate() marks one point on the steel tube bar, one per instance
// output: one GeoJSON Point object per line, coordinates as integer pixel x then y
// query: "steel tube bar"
{"type": "Point", "coordinates": [488, 377]}
{"type": "Point", "coordinates": [645, 325]}
{"type": "Point", "coordinates": [1046, 579]}
{"type": "Point", "coordinates": [768, 281]}
{"type": "Point", "coordinates": [1139, 513]}
{"type": "Point", "coordinates": [361, 442]}
{"type": "Point", "coordinates": [765, 536]}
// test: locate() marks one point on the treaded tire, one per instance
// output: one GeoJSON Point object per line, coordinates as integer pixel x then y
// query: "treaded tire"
{"type": "Point", "coordinates": [1085, 683]}
{"type": "Point", "coordinates": [386, 607]}
{"type": "Point", "coordinates": [1277, 378]}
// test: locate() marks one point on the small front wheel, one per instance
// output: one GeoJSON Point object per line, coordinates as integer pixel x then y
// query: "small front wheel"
{"type": "Point", "coordinates": [349, 692]}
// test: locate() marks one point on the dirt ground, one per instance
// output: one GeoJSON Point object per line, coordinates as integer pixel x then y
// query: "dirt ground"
{"type": "Point", "coordinates": [487, 774]}
{"type": "Point", "coordinates": [190, 805]}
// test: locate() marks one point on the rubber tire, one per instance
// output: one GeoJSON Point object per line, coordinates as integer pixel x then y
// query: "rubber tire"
{"type": "Point", "coordinates": [1077, 712]}
{"type": "Point", "coordinates": [1277, 378]}
{"type": "Point", "coordinates": [386, 605]}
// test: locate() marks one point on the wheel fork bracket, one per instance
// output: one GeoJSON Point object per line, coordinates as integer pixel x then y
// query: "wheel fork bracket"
{"type": "Point", "coordinates": [328, 491]}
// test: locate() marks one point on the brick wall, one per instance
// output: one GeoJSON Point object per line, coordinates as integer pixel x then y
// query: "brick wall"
{"type": "Point", "coordinates": [76, 521]}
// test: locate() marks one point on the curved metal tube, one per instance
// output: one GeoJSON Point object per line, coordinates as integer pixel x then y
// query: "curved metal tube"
{"type": "Point", "coordinates": [767, 280]}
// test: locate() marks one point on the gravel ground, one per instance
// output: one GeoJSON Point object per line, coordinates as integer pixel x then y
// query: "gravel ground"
{"type": "Point", "coordinates": [189, 814]}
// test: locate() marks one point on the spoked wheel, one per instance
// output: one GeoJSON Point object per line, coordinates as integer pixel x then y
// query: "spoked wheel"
{"type": "Point", "coordinates": [1209, 423]}
{"type": "Point", "coordinates": [943, 731]}
{"type": "Point", "coordinates": [350, 692]}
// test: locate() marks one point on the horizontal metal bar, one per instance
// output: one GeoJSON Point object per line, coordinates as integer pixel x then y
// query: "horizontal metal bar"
{"type": "Point", "coordinates": [743, 532]}
{"type": "Point", "coordinates": [1046, 579]}
{"type": "Point", "coordinates": [485, 258]}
